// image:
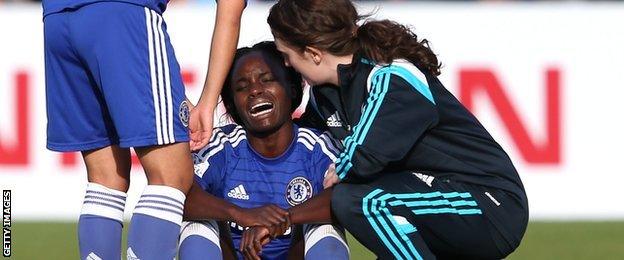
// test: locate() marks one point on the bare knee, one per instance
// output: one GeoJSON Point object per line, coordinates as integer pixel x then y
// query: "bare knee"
{"type": "Point", "coordinates": [169, 165]}
{"type": "Point", "coordinates": [109, 166]}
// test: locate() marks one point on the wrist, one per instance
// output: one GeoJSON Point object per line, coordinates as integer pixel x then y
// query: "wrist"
{"type": "Point", "coordinates": [206, 104]}
{"type": "Point", "coordinates": [289, 217]}
{"type": "Point", "coordinates": [234, 213]}
{"type": "Point", "coordinates": [208, 99]}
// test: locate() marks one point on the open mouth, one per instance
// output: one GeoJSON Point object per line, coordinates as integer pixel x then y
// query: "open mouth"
{"type": "Point", "coordinates": [261, 109]}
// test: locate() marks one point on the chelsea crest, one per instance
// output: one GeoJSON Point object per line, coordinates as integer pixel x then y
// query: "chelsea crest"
{"type": "Point", "coordinates": [184, 113]}
{"type": "Point", "coordinates": [298, 190]}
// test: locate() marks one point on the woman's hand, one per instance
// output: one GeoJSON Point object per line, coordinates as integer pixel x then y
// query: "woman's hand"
{"type": "Point", "coordinates": [253, 240]}
{"type": "Point", "coordinates": [267, 215]}
{"type": "Point", "coordinates": [330, 177]}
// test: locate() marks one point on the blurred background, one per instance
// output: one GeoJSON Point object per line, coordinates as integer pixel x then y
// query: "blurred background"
{"type": "Point", "coordinates": [546, 78]}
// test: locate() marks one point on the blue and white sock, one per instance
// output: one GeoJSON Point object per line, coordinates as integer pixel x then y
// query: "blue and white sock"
{"type": "Point", "coordinates": [325, 242]}
{"type": "Point", "coordinates": [155, 224]}
{"type": "Point", "coordinates": [200, 241]}
{"type": "Point", "coordinates": [101, 222]}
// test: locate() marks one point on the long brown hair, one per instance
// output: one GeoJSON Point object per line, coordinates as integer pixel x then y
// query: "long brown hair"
{"type": "Point", "coordinates": [332, 26]}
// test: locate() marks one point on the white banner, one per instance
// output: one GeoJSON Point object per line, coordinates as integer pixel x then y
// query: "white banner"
{"type": "Point", "coordinates": [544, 78]}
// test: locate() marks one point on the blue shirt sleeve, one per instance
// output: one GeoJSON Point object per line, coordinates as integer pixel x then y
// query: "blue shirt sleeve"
{"type": "Point", "coordinates": [209, 172]}
{"type": "Point", "coordinates": [210, 163]}
{"type": "Point", "coordinates": [325, 153]}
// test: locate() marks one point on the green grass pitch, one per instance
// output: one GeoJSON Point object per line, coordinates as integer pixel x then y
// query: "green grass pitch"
{"type": "Point", "coordinates": [543, 240]}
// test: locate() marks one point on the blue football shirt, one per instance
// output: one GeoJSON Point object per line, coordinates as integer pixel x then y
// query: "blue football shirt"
{"type": "Point", "coordinates": [229, 168]}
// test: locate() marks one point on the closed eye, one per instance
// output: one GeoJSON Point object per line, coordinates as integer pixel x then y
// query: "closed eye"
{"type": "Point", "coordinates": [241, 85]}
{"type": "Point", "coordinates": [268, 79]}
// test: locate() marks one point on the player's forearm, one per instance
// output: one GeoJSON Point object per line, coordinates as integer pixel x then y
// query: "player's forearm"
{"type": "Point", "coordinates": [202, 205]}
{"type": "Point", "coordinates": [315, 210]}
{"type": "Point", "coordinates": [223, 47]}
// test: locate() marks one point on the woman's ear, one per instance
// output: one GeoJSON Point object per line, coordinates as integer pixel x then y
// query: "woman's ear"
{"type": "Point", "coordinates": [315, 54]}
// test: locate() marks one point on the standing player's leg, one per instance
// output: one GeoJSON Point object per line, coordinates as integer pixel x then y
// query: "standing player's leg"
{"type": "Point", "coordinates": [325, 241]}
{"type": "Point", "coordinates": [101, 219]}
{"type": "Point", "coordinates": [79, 121]}
{"type": "Point", "coordinates": [133, 63]}
{"type": "Point", "coordinates": [156, 221]}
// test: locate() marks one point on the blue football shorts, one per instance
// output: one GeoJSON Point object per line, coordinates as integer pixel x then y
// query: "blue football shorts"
{"type": "Point", "coordinates": [112, 79]}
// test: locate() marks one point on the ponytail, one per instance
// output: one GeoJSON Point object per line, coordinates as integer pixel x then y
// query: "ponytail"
{"type": "Point", "coordinates": [384, 41]}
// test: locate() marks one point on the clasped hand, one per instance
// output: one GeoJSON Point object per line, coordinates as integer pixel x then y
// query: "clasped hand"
{"type": "Point", "coordinates": [263, 224]}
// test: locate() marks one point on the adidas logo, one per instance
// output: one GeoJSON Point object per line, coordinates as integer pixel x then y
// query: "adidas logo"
{"type": "Point", "coordinates": [93, 256]}
{"type": "Point", "coordinates": [425, 178]}
{"type": "Point", "coordinates": [334, 120]}
{"type": "Point", "coordinates": [238, 193]}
